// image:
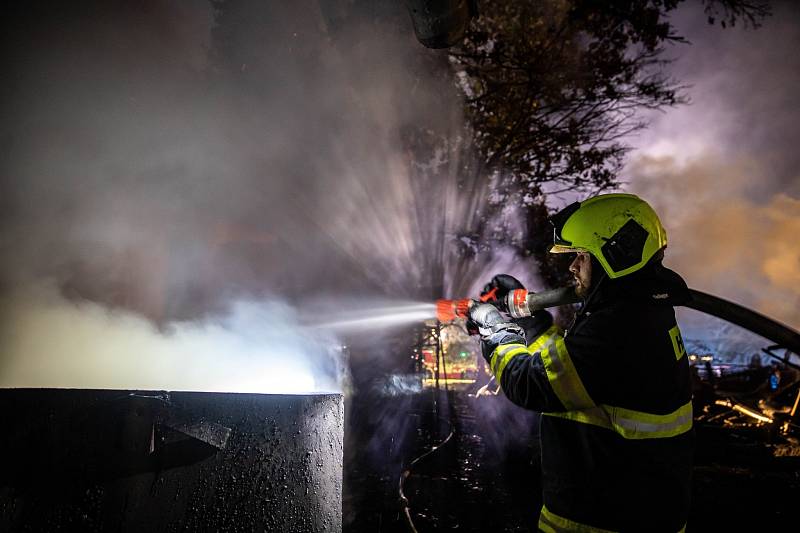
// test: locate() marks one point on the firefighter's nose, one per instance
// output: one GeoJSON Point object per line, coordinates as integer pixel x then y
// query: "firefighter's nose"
{"type": "Point", "coordinates": [573, 267]}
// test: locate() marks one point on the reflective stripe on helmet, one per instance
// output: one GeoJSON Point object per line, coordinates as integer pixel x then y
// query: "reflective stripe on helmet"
{"type": "Point", "coordinates": [549, 522]}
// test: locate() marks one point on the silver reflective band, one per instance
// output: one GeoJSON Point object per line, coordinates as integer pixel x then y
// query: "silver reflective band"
{"type": "Point", "coordinates": [639, 425]}
{"type": "Point", "coordinates": [631, 424]}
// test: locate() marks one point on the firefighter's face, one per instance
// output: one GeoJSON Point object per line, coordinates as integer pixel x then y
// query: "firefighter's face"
{"type": "Point", "coordinates": [581, 269]}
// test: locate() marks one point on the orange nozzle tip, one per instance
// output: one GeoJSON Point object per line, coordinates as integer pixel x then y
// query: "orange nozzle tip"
{"type": "Point", "coordinates": [462, 308]}
{"type": "Point", "coordinates": [445, 310]}
{"type": "Point", "coordinates": [449, 310]}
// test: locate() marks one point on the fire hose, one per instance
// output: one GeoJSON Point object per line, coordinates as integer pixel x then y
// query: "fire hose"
{"type": "Point", "coordinates": [521, 302]}
{"type": "Point", "coordinates": [524, 303]}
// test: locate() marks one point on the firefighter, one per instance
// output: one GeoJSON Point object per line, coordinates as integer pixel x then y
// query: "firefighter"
{"type": "Point", "coordinates": [614, 389]}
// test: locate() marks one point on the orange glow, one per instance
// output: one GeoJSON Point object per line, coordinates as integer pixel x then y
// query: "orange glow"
{"type": "Point", "coordinates": [796, 401]}
{"type": "Point", "coordinates": [745, 411]}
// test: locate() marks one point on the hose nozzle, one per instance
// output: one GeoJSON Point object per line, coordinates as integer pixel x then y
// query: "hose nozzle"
{"type": "Point", "coordinates": [518, 303]}
{"type": "Point", "coordinates": [449, 310]}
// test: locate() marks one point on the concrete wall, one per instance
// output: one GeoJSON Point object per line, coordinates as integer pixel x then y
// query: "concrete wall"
{"type": "Point", "coordinates": [91, 460]}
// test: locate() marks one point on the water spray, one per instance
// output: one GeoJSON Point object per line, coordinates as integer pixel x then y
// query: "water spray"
{"type": "Point", "coordinates": [376, 318]}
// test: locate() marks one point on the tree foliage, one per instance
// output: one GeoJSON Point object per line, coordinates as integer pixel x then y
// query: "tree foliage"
{"type": "Point", "coordinates": [553, 87]}
{"type": "Point", "coordinates": [552, 90]}
{"type": "Point", "coordinates": [728, 12]}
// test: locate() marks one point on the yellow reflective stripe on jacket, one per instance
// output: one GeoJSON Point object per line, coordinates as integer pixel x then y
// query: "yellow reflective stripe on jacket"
{"type": "Point", "coordinates": [542, 339]}
{"type": "Point", "coordinates": [639, 425]}
{"type": "Point", "coordinates": [562, 375]}
{"type": "Point", "coordinates": [505, 353]}
{"type": "Point", "coordinates": [549, 522]}
{"type": "Point", "coordinates": [568, 387]}
{"type": "Point", "coordinates": [632, 424]}
{"type": "Point", "coordinates": [596, 416]}
{"type": "Point", "coordinates": [502, 355]}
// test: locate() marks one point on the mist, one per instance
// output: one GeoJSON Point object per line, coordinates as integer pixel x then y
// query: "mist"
{"type": "Point", "coordinates": [164, 165]}
{"type": "Point", "coordinates": [255, 347]}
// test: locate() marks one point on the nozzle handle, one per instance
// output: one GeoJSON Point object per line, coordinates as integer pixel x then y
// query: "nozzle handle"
{"type": "Point", "coordinates": [522, 303]}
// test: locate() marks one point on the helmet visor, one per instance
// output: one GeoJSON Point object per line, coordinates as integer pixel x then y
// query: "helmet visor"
{"type": "Point", "coordinates": [558, 221]}
{"type": "Point", "coordinates": [561, 249]}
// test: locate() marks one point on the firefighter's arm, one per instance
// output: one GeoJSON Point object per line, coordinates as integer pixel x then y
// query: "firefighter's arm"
{"type": "Point", "coordinates": [543, 375]}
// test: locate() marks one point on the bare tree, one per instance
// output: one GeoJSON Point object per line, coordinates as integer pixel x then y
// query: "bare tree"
{"type": "Point", "coordinates": [553, 87]}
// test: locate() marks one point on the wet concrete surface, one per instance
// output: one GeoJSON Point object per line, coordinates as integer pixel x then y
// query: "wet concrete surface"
{"type": "Point", "coordinates": [84, 460]}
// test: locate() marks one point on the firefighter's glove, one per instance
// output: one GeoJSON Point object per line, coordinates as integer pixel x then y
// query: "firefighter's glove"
{"type": "Point", "coordinates": [493, 329]}
{"type": "Point", "coordinates": [496, 291]}
{"type": "Point", "coordinates": [483, 317]}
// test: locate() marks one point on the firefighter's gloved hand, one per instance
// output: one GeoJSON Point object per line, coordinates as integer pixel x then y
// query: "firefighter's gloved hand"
{"type": "Point", "coordinates": [483, 317]}
{"type": "Point", "coordinates": [496, 291]}
{"type": "Point", "coordinates": [493, 329]}
{"type": "Point", "coordinates": [490, 323]}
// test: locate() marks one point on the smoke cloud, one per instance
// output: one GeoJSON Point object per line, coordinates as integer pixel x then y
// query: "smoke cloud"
{"type": "Point", "coordinates": [168, 169]}
{"type": "Point", "coordinates": [722, 171]}
{"type": "Point", "coordinates": [721, 240]}
{"type": "Point", "coordinates": [255, 347]}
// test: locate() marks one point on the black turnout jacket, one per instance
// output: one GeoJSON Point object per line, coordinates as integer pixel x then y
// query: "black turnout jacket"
{"type": "Point", "coordinates": [615, 393]}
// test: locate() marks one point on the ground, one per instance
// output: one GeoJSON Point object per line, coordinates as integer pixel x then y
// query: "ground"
{"type": "Point", "coordinates": [486, 478]}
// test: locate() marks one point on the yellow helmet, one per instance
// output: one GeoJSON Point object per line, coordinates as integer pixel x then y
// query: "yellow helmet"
{"type": "Point", "coordinates": [620, 230]}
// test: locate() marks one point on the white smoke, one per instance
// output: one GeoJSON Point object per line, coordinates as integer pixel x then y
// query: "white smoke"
{"type": "Point", "coordinates": [163, 163]}
{"type": "Point", "coordinates": [722, 172]}
{"type": "Point", "coordinates": [256, 346]}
